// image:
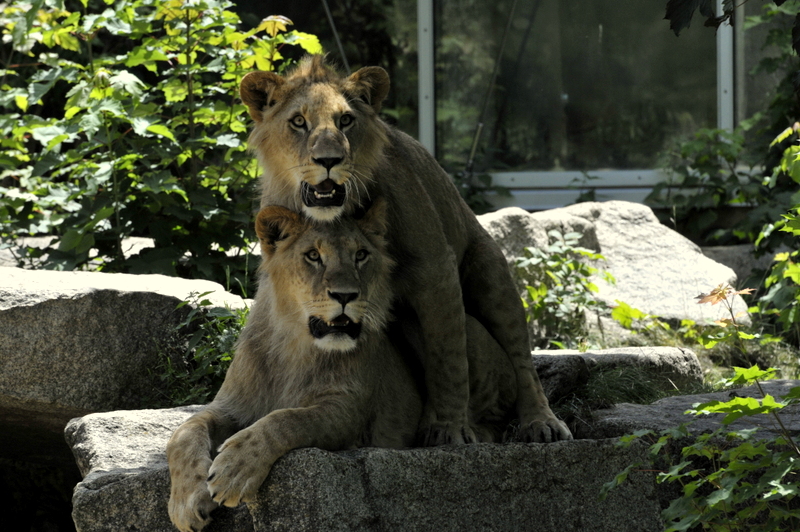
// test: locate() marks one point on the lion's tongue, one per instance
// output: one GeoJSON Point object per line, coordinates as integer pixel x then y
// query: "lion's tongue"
{"type": "Point", "coordinates": [341, 321]}
{"type": "Point", "coordinates": [325, 187]}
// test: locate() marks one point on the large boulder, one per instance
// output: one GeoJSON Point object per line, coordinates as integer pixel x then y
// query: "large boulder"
{"type": "Point", "coordinates": [657, 270]}
{"type": "Point", "coordinates": [78, 342]}
{"type": "Point", "coordinates": [742, 259]}
{"type": "Point", "coordinates": [549, 487]}
{"type": "Point", "coordinates": [84, 341]}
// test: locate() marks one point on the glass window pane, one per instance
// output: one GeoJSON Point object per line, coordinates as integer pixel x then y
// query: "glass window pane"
{"type": "Point", "coordinates": [585, 84]}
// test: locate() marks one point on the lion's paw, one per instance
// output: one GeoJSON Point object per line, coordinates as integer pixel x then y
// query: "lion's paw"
{"type": "Point", "coordinates": [238, 470]}
{"type": "Point", "coordinates": [190, 506]}
{"type": "Point", "coordinates": [546, 429]}
{"type": "Point", "coordinates": [442, 433]}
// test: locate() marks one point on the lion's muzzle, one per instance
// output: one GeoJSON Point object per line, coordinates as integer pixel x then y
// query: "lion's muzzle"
{"type": "Point", "coordinates": [326, 194]}
{"type": "Point", "coordinates": [340, 325]}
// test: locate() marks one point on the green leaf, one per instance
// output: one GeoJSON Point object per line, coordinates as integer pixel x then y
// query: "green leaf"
{"type": "Point", "coordinates": [146, 56]}
{"type": "Point", "coordinates": [126, 81]}
{"type": "Point", "coordinates": [230, 140]}
{"type": "Point", "coordinates": [21, 101]}
{"type": "Point", "coordinates": [752, 374]}
{"type": "Point", "coordinates": [161, 130]}
{"type": "Point", "coordinates": [616, 481]}
{"type": "Point", "coordinates": [176, 91]}
{"type": "Point", "coordinates": [783, 135]}
{"type": "Point", "coordinates": [309, 43]}
{"type": "Point", "coordinates": [625, 314]}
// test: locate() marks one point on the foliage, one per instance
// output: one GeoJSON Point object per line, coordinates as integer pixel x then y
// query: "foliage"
{"type": "Point", "coordinates": [704, 174]}
{"type": "Point", "coordinates": [729, 479]}
{"type": "Point", "coordinates": [122, 120]}
{"type": "Point", "coordinates": [207, 351]}
{"type": "Point", "coordinates": [559, 290]}
{"type": "Point", "coordinates": [781, 299]}
{"type": "Point", "coordinates": [717, 169]}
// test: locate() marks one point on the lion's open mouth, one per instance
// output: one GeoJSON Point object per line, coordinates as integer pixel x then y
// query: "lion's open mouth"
{"type": "Point", "coordinates": [339, 325]}
{"type": "Point", "coordinates": [326, 194]}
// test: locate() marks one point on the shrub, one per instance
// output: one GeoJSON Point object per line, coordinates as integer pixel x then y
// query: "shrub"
{"type": "Point", "coordinates": [728, 480]}
{"type": "Point", "coordinates": [194, 369]}
{"type": "Point", "coordinates": [122, 121]}
{"type": "Point", "coordinates": [559, 291]}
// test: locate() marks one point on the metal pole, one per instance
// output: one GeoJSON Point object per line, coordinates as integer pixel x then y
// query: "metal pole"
{"type": "Point", "coordinates": [336, 36]}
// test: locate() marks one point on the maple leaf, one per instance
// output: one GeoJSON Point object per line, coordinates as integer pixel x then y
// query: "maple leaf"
{"type": "Point", "coordinates": [274, 24]}
{"type": "Point", "coordinates": [717, 295]}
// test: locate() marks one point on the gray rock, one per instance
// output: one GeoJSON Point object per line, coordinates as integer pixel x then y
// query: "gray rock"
{"type": "Point", "coordinates": [560, 374]}
{"type": "Point", "coordinates": [86, 340]}
{"type": "Point", "coordinates": [671, 367]}
{"type": "Point", "coordinates": [76, 342]}
{"type": "Point", "coordinates": [563, 371]}
{"type": "Point", "coordinates": [552, 487]}
{"type": "Point", "coordinates": [515, 229]}
{"type": "Point", "coordinates": [740, 258]}
{"type": "Point", "coordinates": [656, 269]}
{"type": "Point", "coordinates": [669, 412]}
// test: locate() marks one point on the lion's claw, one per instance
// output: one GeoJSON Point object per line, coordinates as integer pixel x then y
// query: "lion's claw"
{"type": "Point", "coordinates": [235, 476]}
{"type": "Point", "coordinates": [193, 513]}
{"type": "Point", "coordinates": [547, 430]}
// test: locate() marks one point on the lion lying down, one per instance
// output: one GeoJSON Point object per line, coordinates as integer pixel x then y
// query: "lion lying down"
{"type": "Point", "coordinates": [315, 367]}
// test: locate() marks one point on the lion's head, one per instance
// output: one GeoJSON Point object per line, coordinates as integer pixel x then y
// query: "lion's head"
{"type": "Point", "coordinates": [316, 135]}
{"type": "Point", "coordinates": [328, 282]}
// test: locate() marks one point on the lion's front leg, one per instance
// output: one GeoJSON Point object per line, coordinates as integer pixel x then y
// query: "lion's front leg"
{"type": "Point", "coordinates": [442, 347]}
{"type": "Point", "coordinates": [246, 458]}
{"type": "Point", "coordinates": [189, 458]}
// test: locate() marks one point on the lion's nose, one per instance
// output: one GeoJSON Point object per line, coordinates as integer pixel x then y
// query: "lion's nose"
{"type": "Point", "coordinates": [328, 162]}
{"type": "Point", "coordinates": [343, 297]}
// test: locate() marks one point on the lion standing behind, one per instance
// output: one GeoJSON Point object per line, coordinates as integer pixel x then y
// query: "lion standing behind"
{"type": "Point", "coordinates": [325, 152]}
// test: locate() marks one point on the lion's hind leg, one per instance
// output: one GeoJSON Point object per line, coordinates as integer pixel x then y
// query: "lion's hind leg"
{"type": "Point", "coordinates": [491, 297]}
{"type": "Point", "coordinates": [492, 384]}
{"type": "Point", "coordinates": [189, 457]}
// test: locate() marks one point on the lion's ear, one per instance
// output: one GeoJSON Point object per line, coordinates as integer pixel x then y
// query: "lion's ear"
{"type": "Point", "coordinates": [257, 91]}
{"type": "Point", "coordinates": [275, 223]}
{"type": "Point", "coordinates": [370, 84]}
{"type": "Point", "coordinates": [374, 221]}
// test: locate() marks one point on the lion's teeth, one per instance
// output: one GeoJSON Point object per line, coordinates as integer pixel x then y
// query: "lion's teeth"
{"type": "Point", "coordinates": [320, 196]}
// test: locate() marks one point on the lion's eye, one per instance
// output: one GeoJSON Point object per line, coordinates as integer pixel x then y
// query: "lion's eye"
{"type": "Point", "coordinates": [298, 121]}
{"type": "Point", "coordinates": [346, 120]}
{"type": "Point", "coordinates": [361, 255]}
{"type": "Point", "coordinates": [313, 256]}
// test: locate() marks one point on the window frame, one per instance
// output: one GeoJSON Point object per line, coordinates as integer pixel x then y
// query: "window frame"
{"type": "Point", "coordinates": [539, 190]}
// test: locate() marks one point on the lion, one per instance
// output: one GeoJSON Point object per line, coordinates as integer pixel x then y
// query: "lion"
{"type": "Point", "coordinates": [317, 366]}
{"type": "Point", "coordinates": [325, 152]}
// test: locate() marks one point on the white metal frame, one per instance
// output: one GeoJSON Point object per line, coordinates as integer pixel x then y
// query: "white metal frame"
{"type": "Point", "coordinates": [425, 55]}
{"type": "Point", "coordinates": [545, 190]}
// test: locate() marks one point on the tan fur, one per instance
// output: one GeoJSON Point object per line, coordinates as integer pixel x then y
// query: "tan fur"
{"type": "Point", "coordinates": [287, 389]}
{"type": "Point", "coordinates": [448, 266]}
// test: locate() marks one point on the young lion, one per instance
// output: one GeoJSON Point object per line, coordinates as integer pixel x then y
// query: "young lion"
{"type": "Point", "coordinates": [315, 367]}
{"type": "Point", "coordinates": [325, 152]}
